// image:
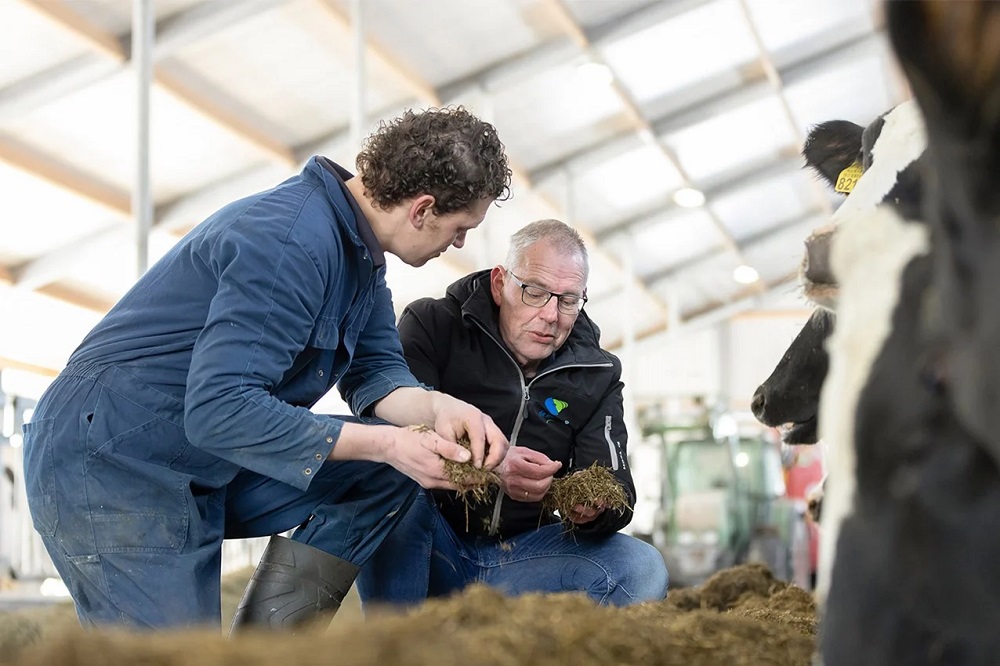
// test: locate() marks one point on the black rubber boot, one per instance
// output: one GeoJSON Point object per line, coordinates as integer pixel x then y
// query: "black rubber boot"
{"type": "Point", "coordinates": [294, 583]}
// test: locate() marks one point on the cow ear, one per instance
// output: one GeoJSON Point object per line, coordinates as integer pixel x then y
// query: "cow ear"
{"type": "Point", "coordinates": [831, 147]}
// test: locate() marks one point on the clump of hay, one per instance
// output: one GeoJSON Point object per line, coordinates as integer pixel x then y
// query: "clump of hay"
{"type": "Point", "coordinates": [474, 483]}
{"type": "Point", "coordinates": [751, 591]}
{"type": "Point", "coordinates": [790, 606]}
{"type": "Point", "coordinates": [728, 588]}
{"type": "Point", "coordinates": [595, 486]}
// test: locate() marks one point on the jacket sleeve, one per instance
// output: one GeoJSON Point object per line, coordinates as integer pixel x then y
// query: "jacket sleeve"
{"type": "Point", "coordinates": [269, 293]}
{"type": "Point", "coordinates": [421, 340]}
{"type": "Point", "coordinates": [378, 367]}
{"type": "Point", "coordinates": [604, 440]}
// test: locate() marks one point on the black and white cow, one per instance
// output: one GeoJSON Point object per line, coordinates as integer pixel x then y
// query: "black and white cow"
{"type": "Point", "coordinates": [790, 395]}
{"type": "Point", "coordinates": [890, 151]}
{"type": "Point", "coordinates": [913, 390]}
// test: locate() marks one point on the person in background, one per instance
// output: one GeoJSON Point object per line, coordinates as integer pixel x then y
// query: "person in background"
{"type": "Point", "coordinates": [183, 417]}
{"type": "Point", "coordinates": [516, 342]}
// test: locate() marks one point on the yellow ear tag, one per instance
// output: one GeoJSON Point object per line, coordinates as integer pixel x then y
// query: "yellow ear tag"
{"type": "Point", "coordinates": [848, 178]}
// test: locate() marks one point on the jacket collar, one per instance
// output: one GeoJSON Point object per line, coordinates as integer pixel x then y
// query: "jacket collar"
{"type": "Point", "coordinates": [334, 177]}
{"type": "Point", "coordinates": [472, 293]}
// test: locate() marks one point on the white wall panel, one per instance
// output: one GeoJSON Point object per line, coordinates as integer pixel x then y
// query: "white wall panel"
{"type": "Point", "coordinates": [757, 343]}
{"type": "Point", "coordinates": [669, 366]}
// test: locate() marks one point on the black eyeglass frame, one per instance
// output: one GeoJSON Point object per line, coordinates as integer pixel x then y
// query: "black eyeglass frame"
{"type": "Point", "coordinates": [582, 300]}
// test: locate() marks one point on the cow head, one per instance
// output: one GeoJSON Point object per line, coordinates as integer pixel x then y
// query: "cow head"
{"type": "Point", "coordinates": [791, 394]}
{"type": "Point", "coordinates": [835, 151]}
{"type": "Point", "coordinates": [871, 170]}
{"type": "Point", "coordinates": [885, 155]}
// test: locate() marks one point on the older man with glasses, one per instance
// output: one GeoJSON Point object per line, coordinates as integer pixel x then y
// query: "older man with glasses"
{"type": "Point", "coordinates": [515, 342]}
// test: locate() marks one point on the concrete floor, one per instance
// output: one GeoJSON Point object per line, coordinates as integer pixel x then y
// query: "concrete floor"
{"type": "Point", "coordinates": [23, 594]}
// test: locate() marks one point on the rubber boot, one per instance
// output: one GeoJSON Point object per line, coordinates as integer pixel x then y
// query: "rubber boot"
{"type": "Point", "coordinates": [294, 583]}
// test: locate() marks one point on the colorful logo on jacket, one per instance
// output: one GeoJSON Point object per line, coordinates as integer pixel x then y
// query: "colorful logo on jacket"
{"type": "Point", "coordinates": [553, 406]}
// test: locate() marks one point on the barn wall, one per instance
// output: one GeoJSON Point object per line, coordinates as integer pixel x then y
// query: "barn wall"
{"type": "Point", "coordinates": [756, 344]}
{"type": "Point", "coordinates": [676, 365]}
{"type": "Point", "coordinates": [726, 361]}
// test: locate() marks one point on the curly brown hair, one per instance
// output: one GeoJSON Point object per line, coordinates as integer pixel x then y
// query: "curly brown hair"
{"type": "Point", "coordinates": [448, 153]}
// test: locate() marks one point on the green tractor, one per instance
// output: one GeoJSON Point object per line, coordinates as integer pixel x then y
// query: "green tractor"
{"type": "Point", "coordinates": [723, 503]}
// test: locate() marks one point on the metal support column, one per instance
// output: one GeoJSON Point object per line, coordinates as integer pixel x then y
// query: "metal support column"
{"type": "Point", "coordinates": [359, 112]}
{"type": "Point", "coordinates": [143, 27]}
{"type": "Point", "coordinates": [629, 355]}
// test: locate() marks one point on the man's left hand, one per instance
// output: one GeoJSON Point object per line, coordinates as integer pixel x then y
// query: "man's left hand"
{"type": "Point", "coordinates": [454, 418]}
{"type": "Point", "coordinates": [583, 513]}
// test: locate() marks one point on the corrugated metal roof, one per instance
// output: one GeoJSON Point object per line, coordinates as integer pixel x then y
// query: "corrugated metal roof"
{"type": "Point", "coordinates": [711, 94]}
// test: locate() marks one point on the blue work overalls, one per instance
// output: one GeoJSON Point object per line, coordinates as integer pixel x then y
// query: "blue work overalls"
{"type": "Point", "coordinates": [182, 419]}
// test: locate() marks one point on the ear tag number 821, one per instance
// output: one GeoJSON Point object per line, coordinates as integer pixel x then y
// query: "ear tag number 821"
{"type": "Point", "coordinates": [848, 178]}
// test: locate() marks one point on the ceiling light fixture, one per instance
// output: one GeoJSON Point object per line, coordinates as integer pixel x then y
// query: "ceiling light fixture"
{"type": "Point", "coordinates": [595, 73]}
{"type": "Point", "coordinates": [745, 274]}
{"type": "Point", "coordinates": [688, 197]}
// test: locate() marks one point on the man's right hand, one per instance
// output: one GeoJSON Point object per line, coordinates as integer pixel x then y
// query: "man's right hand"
{"type": "Point", "coordinates": [417, 452]}
{"type": "Point", "coordinates": [527, 474]}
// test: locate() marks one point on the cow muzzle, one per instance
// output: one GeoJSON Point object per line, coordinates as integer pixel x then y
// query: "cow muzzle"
{"type": "Point", "coordinates": [816, 266]}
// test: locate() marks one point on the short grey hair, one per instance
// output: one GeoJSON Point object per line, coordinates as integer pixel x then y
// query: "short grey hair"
{"type": "Point", "coordinates": [564, 237]}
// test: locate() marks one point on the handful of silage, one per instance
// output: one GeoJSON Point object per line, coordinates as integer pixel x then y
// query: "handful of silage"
{"type": "Point", "coordinates": [473, 482]}
{"type": "Point", "coordinates": [594, 486]}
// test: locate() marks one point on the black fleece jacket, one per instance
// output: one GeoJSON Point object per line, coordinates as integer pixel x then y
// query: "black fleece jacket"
{"type": "Point", "coordinates": [571, 410]}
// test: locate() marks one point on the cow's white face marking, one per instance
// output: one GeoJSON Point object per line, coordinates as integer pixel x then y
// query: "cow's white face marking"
{"type": "Point", "coordinates": [869, 256]}
{"type": "Point", "coordinates": [872, 247]}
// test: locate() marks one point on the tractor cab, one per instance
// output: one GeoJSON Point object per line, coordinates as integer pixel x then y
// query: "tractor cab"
{"type": "Point", "coordinates": [724, 503]}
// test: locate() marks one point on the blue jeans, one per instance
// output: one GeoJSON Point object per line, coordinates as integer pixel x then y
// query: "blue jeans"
{"type": "Point", "coordinates": [424, 557]}
{"type": "Point", "coordinates": [137, 538]}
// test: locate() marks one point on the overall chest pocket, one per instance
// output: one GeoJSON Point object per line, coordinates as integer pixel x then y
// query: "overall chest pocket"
{"type": "Point", "coordinates": [335, 336]}
{"type": "Point", "coordinates": [325, 333]}
{"type": "Point", "coordinates": [357, 319]}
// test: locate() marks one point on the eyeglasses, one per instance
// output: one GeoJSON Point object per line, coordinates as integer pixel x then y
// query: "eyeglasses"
{"type": "Point", "coordinates": [536, 297]}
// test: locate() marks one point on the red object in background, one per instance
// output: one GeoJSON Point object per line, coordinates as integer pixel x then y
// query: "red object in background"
{"type": "Point", "coordinates": [805, 472]}
{"type": "Point", "coordinates": [803, 475]}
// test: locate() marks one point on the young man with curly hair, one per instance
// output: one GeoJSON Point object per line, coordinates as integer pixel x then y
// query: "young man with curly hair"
{"type": "Point", "coordinates": [183, 417]}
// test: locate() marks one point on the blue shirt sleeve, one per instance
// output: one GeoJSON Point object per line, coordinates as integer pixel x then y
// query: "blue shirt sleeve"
{"type": "Point", "coordinates": [270, 292]}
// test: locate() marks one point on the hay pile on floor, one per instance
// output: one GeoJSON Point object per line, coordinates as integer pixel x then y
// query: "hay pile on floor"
{"type": "Point", "coordinates": [752, 591]}
{"type": "Point", "coordinates": [27, 627]}
{"type": "Point", "coordinates": [740, 617]}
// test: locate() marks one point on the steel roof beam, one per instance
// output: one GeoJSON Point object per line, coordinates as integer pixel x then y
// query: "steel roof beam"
{"type": "Point", "coordinates": [652, 279]}
{"type": "Point", "coordinates": [713, 313]}
{"type": "Point", "coordinates": [172, 34]}
{"type": "Point", "coordinates": [692, 114]}
{"type": "Point", "coordinates": [747, 177]}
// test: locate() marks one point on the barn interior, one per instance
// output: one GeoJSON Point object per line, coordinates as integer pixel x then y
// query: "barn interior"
{"type": "Point", "coordinates": [669, 133]}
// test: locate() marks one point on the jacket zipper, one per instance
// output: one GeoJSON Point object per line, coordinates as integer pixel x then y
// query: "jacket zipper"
{"type": "Point", "coordinates": [611, 445]}
{"type": "Point", "coordinates": [525, 394]}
